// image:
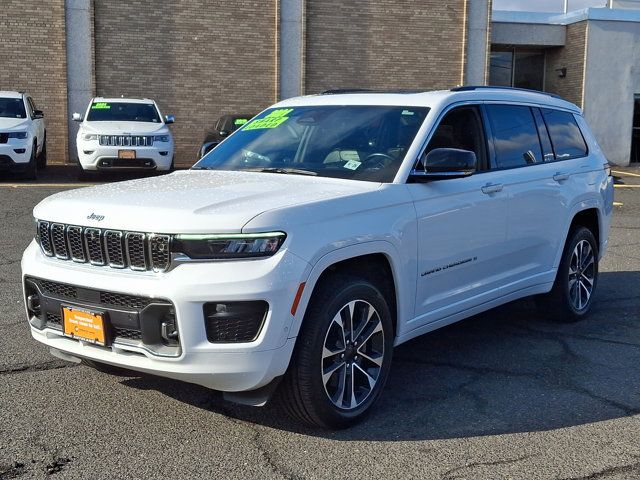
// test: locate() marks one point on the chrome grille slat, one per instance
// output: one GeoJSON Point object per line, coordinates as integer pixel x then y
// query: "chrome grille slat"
{"type": "Point", "coordinates": [125, 140]}
{"type": "Point", "coordinates": [44, 238]}
{"type": "Point", "coordinates": [76, 245]}
{"type": "Point", "coordinates": [59, 241]}
{"type": "Point", "coordinates": [137, 251]}
{"type": "Point", "coordinates": [93, 242]}
{"type": "Point", "coordinates": [159, 251]}
{"type": "Point", "coordinates": [115, 248]}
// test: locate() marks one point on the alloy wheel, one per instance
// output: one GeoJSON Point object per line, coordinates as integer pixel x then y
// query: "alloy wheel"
{"type": "Point", "coordinates": [352, 354]}
{"type": "Point", "coordinates": [581, 275]}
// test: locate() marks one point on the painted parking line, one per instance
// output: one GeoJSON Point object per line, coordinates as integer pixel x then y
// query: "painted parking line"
{"type": "Point", "coordinates": [45, 185]}
{"type": "Point", "coordinates": [627, 186]}
{"type": "Point", "coordinates": [618, 204]}
{"type": "Point", "coordinates": [625, 173]}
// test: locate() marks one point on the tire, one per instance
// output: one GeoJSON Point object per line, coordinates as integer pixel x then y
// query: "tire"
{"type": "Point", "coordinates": [571, 297]}
{"type": "Point", "coordinates": [81, 172]}
{"type": "Point", "coordinates": [329, 400]}
{"type": "Point", "coordinates": [30, 172]}
{"type": "Point", "coordinates": [42, 158]}
{"type": "Point", "coordinates": [109, 369]}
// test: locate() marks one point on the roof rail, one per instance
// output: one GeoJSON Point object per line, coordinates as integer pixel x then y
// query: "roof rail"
{"type": "Point", "coordinates": [338, 91]}
{"type": "Point", "coordinates": [467, 88]}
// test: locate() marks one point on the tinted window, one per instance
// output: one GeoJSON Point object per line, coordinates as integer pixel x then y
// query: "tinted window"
{"type": "Point", "coordinates": [547, 149]}
{"type": "Point", "coordinates": [515, 136]}
{"type": "Point", "coordinates": [565, 134]}
{"type": "Point", "coordinates": [460, 128]}
{"type": "Point", "coordinates": [12, 108]}
{"type": "Point", "coordinates": [353, 142]}
{"type": "Point", "coordinates": [123, 111]}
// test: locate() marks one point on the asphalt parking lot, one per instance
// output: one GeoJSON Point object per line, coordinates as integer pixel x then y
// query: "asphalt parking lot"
{"type": "Point", "coordinates": [505, 394]}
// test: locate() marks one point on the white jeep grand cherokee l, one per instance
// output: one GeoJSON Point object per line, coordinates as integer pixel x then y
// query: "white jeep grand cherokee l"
{"type": "Point", "coordinates": [124, 134]}
{"type": "Point", "coordinates": [23, 147]}
{"type": "Point", "coordinates": [320, 235]}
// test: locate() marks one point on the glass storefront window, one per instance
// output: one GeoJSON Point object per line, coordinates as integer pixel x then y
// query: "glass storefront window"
{"type": "Point", "coordinates": [512, 68]}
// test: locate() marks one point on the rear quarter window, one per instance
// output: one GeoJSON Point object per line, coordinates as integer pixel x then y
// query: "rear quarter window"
{"type": "Point", "coordinates": [566, 137]}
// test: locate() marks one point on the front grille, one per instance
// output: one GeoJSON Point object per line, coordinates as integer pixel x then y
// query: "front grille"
{"type": "Point", "coordinates": [58, 238]}
{"type": "Point", "coordinates": [115, 248]}
{"type": "Point", "coordinates": [54, 318]}
{"type": "Point", "coordinates": [126, 140]}
{"type": "Point", "coordinates": [59, 289]}
{"type": "Point", "coordinates": [124, 300]}
{"type": "Point", "coordinates": [128, 333]}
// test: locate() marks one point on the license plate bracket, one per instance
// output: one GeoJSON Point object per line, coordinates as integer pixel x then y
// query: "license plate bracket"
{"type": "Point", "coordinates": [127, 154]}
{"type": "Point", "coordinates": [84, 324]}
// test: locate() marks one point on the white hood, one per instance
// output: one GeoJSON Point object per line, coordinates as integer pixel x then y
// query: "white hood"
{"type": "Point", "coordinates": [8, 124]}
{"type": "Point", "coordinates": [191, 201]}
{"type": "Point", "coordinates": [124, 128]}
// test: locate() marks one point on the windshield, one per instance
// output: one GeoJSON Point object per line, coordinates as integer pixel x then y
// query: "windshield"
{"type": "Point", "coordinates": [12, 108]}
{"type": "Point", "coordinates": [123, 111]}
{"type": "Point", "coordinates": [352, 142]}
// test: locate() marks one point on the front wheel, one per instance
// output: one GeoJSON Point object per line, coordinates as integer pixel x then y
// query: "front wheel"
{"type": "Point", "coordinates": [42, 158]}
{"type": "Point", "coordinates": [342, 356]}
{"type": "Point", "coordinates": [572, 294]}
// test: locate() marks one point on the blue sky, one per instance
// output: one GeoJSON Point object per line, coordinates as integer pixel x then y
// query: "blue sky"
{"type": "Point", "coordinates": [545, 5]}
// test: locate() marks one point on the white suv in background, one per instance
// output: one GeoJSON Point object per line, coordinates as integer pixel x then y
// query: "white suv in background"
{"type": "Point", "coordinates": [23, 147]}
{"type": "Point", "coordinates": [124, 134]}
{"type": "Point", "coordinates": [320, 235]}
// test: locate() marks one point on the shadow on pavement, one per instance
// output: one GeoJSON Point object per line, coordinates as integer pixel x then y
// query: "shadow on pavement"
{"type": "Point", "coordinates": [505, 371]}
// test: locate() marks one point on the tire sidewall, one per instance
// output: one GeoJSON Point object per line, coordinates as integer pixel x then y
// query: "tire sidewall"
{"type": "Point", "coordinates": [563, 274]}
{"type": "Point", "coordinates": [313, 342]}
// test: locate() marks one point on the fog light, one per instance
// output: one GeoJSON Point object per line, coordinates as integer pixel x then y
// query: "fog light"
{"type": "Point", "coordinates": [234, 322]}
{"type": "Point", "coordinates": [164, 154]}
{"type": "Point", "coordinates": [88, 152]}
{"type": "Point", "coordinates": [20, 150]}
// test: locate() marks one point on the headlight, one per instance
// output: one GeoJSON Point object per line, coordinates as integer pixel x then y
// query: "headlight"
{"type": "Point", "coordinates": [161, 138]}
{"type": "Point", "coordinates": [20, 135]}
{"type": "Point", "coordinates": [228, 246]}
{"type": "Point", "coordinates": [90, 136]}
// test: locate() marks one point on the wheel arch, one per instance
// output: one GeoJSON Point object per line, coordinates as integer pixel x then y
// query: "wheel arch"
{"type": "Point", "coordinates": [586, 214]}
{"type": "Point", "coordinates": [376, 261]}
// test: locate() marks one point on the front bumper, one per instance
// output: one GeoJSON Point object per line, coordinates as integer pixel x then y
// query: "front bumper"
{"type": "Point", "coordinates": [15, 155]}
{"type": "Point", "coordinates": [230, 367]}
{"type": "Point", "coordinates": [93, 156]}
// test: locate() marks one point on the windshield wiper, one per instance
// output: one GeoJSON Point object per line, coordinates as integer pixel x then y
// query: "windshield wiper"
{"type": "Point", "coordinates": [293, 171]}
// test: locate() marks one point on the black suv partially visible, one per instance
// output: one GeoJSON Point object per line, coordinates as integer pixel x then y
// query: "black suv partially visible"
{"type": "Point", "coordinates": [225, 126]}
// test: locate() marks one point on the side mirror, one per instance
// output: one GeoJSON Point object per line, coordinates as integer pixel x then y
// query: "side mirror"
{"type": "Point", "coordinates": [37, 114]}
{"type": "Point", "coordinates": [77, 117]}
{"type": "Point", "coordinates": [446, 163]}
{"type": "Point", "coordinates": [168, 119]}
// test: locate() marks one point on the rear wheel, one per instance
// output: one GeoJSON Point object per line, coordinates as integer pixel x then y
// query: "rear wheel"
{"type": "Point", "coordinates": [572, 294]}
{"type": "Point", "coordinates": [342, 356]}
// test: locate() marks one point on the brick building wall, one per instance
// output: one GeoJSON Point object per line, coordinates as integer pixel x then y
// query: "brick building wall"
{"type": "Point", "coordinates": [33, 59]}
{"type": "Point", "coordinates": [572, 57]}
{"type": "Point", "coordinates": [197, 59]}
{"type": "Point", "coordinates": [385, 44]}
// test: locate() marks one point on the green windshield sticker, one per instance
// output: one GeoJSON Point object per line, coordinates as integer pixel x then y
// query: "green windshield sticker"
{"type": "Point", "coordinates": [273, 120]}
{"type": "Point", "coordinates": [407, 112]}
{"type": "Point", "coordinates": [100, 106]}
{"type": "Point", "coordinates": [240, 121]}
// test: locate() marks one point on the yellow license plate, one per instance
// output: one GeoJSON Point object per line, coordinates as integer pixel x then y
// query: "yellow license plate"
{"type": "Point", "coordinates": [84, 325]}
{"type": "Point", "coordinates": [128, 154]}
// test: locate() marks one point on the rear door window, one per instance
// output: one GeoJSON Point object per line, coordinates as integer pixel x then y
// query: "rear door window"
{"type": "Point", "coordinates": [565, 134]}
{"type": "Point", "coordinates": [515, 136]}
